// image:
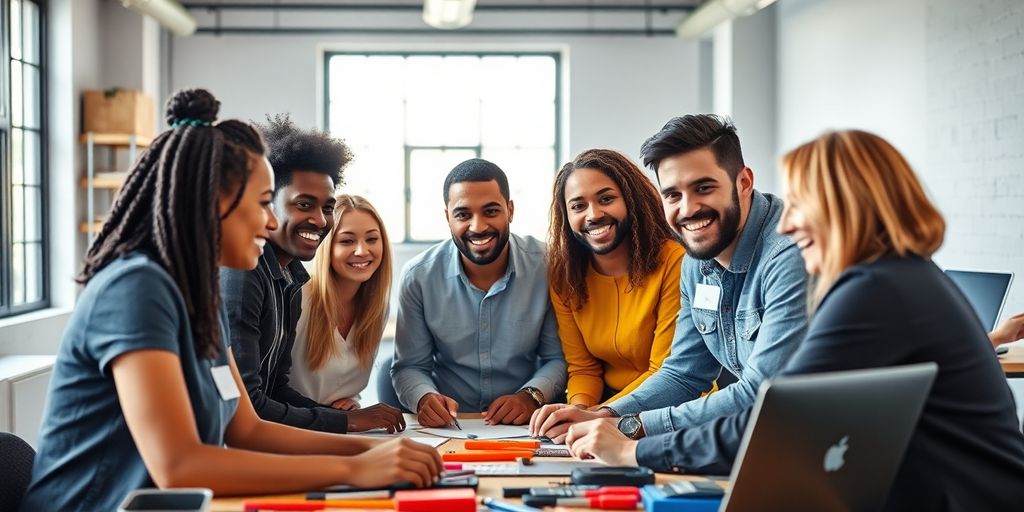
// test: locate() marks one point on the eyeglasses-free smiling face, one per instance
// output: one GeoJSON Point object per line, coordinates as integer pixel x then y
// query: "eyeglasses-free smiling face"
{"type": "Point", "coordinates": [479, 218]}
{"type": "Point", "coordinates": [305, 208]}
{"type": "Point", "coordinates": [246, 228]}
{"type": "Point", "coordinates": [701, 202]}
{"type": "Point", "coordinates": [358, 247]}
{"type": "Point", "coordinates": [596, 210]}
{"type": "Point", "coordinates": [798, 225]}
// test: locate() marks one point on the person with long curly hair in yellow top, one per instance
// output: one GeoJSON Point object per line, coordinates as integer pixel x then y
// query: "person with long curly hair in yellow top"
{"type": "Point", "coordinates": [614, 278]}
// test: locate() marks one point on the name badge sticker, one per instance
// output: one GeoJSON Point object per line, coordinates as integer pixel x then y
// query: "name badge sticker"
{"type": "Point", "coordinates": [707, 297]}
{"type": "Point", "coordinates": [225, 382]}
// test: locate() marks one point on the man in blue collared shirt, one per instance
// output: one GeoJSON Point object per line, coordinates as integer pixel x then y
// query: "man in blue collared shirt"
{"type": "Point", "coordinates": [475, 327]}
{"type": "Point", "coordinates": [743, 286]}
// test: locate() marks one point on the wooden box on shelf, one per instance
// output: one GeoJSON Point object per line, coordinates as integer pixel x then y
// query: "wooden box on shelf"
{"type": "Point", "coordinates": [118, 111]}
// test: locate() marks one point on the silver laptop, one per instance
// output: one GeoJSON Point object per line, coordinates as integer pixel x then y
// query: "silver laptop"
{"type": "Point", "coordinates": [830, 441]}
{"type": "Point", "coordinates": [985, 291]}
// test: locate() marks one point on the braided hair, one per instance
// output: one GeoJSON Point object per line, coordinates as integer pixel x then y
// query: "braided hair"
{"type": "Point", "coordinates": [168, 206]}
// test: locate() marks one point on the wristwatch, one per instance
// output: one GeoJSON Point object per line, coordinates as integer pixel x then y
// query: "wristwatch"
{"type": "Point", "coordinates": [630, 426]}
{"type": "Point", "coordinates": [535, 394]}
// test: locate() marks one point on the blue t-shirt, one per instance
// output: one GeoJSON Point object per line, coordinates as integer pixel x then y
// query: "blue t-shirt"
{"type": "Point", "coordinates": [87, 459]}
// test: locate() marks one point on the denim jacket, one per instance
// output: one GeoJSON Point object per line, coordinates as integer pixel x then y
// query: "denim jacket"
{"type": "Point", "coordinates": [761, 317]}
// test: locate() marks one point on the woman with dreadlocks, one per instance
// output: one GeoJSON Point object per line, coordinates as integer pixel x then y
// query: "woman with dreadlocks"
{"type": "Point", "coordinates": [145, 391]}
{"type": "Point", "coordinates": [614, 278]}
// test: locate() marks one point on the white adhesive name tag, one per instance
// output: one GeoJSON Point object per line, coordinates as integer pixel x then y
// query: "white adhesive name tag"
{"type": "Point", "coordinates": [225, 382]}
{"type": "Point", "coordinates": [707, 297]}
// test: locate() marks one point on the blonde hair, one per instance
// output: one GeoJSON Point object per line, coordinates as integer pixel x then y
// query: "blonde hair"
{"type": "Point", "coordinates": [860, 191]}
{"type": "Point", "coordinates": [371, 301]}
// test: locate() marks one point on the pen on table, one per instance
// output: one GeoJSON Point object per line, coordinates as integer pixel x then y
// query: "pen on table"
{"type": "Point", "coordinates": [317, 505]}
{"type": "Point", "coordinates": [456, 420]}
{"type": "Point", "coordinates": [504, 506]}
{"type": "Point", "coordinates": [603, 502]}
{"type": "Point", "coordinates": [381, 494]}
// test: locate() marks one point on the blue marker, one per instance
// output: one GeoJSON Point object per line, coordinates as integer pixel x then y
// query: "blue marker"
{"type": "Point", "coordinates": [504, 506]}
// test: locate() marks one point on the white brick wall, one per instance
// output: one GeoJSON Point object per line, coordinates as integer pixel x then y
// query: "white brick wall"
{"type": "Point", "coordinates": [975, 132]}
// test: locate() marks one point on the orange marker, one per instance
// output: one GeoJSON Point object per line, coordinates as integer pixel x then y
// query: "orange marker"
{"type": "Point", "coordinates": [526, 444]}
{"type": "Point", "coordinates": [487, 456]}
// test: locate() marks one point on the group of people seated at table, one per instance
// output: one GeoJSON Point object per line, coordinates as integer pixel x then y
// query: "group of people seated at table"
{"type": "Point", "coordinates": [202, 353]}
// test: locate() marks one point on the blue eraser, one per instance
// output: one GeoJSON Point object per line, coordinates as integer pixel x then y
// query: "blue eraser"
{"type": "Point", "coordinates": [654, 500]}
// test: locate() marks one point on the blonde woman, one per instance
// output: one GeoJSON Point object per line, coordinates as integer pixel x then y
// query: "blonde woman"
{"type": "Point", "coordinates": [345, 306]}
{"type": "Point", "coordinates": [867, 231]}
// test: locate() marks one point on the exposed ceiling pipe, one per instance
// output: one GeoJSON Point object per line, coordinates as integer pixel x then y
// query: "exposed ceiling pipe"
{"type": "Point", "coordinates": [714, 12]}
{"type": "Point", "coordinates": [168, 13]}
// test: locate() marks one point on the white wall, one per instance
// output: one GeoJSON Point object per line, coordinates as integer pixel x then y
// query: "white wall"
{"type": "Point", "coordinates": [620, 90]}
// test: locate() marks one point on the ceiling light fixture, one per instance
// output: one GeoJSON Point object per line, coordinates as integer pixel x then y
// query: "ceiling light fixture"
{"type": "Point", "coordinates": [168, 13]}
{"type": "Point", "coordinates": [448, 14]}
{"type": "Point", "coordinates": [714, 12]}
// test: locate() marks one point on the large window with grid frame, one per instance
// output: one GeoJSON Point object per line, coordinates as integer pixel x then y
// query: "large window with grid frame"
{"type": "Point", "coordinates": [411, 117]}
{"type": "Point", "coordinates": [23, 272]}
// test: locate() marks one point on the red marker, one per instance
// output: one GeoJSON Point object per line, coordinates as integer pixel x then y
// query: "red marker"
{"type": "Point", "coordinates": [603, 502]}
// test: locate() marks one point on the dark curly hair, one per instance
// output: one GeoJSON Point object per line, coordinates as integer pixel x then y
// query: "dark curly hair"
{"type": "Point", "coordinates": [291, 149]}
{"type": "Point", "coordinates": [168, 206]}
{"type": "Point", "coordinates": [568, 259]}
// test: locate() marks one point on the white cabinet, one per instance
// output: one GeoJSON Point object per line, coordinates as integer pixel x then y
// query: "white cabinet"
{"type": "Point", "coordinates": [23, 384]}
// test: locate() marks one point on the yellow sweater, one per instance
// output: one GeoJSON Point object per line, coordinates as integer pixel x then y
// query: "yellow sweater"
{"type": "Point", "coordinates": [618, 339]}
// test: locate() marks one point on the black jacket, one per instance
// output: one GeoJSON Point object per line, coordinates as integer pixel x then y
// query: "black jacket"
{"type": "Point", "coordinates": [967, 452]}
{"type": "Point", "coordinates": [263, 309]}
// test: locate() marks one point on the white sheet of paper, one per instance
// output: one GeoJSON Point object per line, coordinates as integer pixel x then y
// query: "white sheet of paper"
{"type": "Point", "coordinates": [478, 428]}
{"type": "Point", "coordinates": [707, 297]}
{"type": "Point", "coordinates": [433, 442]}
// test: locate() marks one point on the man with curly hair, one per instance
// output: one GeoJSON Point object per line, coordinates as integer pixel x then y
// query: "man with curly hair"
{"type": "Point", "coordinates": [264, 304]}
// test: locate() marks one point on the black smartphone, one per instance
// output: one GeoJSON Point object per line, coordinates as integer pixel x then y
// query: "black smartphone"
{"type": "Point", "coordinates": [185, 500]}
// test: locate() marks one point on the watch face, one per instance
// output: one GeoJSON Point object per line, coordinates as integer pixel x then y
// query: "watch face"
{"type": "Point", "coordinates": [629, 425]}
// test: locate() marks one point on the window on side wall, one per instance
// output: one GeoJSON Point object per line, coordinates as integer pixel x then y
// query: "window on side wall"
{"type": "Point", "coordinates": [23, 249]}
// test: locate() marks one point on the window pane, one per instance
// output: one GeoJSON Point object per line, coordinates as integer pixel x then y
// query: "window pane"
{"type": "Point", "coordinates": [18, 213]}
{"type": "Point", "coordinates": [32, 93]}
{"type": "Point", "coordinates": [29, 154]}
{"type": "Point", "coordinates": [31, 32]}
{"type": "Point", "coordinates": [18, 273]}
{"type": "Point", "coordinates": [17, 161]}
{"type": "Point", "coordinates": [442, 105]}
{"type": "Point", "coordinates": [33, 272]}
{"type": "Point", "coordinates": [15, 29]}
{"type": "Point", "coordinates": [16, 96]}
{"type": "Point", "coordinates": [518, 123]}
{"type": "Point", "coordinates": [378, 174]}
{"type": "Point", "coordinates": [427, 170]}
{"type": "Point", "coordinates": [528, 78]}
{"type": "Point", "coordinates": [33, 207]}
{"type": "Point", "coordinates": [531, 174]}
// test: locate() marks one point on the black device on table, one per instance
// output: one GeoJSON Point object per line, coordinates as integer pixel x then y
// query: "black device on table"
{"type": "Point", "coordinates": [185, 500]}
{"type": "Point", "coordinates": [613, 475]}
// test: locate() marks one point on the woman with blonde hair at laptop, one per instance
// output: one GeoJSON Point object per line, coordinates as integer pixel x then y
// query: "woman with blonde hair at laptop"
{"type": "Point", "coordinates": [345, 306]}
{"type": "Point", "coordinates": [867, 231]}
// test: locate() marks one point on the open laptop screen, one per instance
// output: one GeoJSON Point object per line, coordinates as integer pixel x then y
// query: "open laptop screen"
{"type": "Point", "coordinates": [986, 291]}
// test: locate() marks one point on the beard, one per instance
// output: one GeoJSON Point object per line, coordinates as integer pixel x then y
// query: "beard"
{"type": "Point", "coordinates": [622, 227]}
{"type": "Point", "coordinates": [728, 230]}
{"type": "Point", "coordinates": [466, 248]}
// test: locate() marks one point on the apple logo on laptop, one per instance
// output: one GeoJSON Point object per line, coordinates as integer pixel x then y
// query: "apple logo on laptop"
{"type": "Point", "coordinates": [834, 457]}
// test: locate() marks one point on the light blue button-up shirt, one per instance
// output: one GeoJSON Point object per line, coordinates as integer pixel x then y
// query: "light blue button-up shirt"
{"type": "Point", "coordinates": [761, 319]}
{"type": "Point", "coordinates": [474, 345]}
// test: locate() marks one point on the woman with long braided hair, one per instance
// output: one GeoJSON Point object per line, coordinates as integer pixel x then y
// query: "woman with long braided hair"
{"type": "Point", "coordinates": [145, 391]}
